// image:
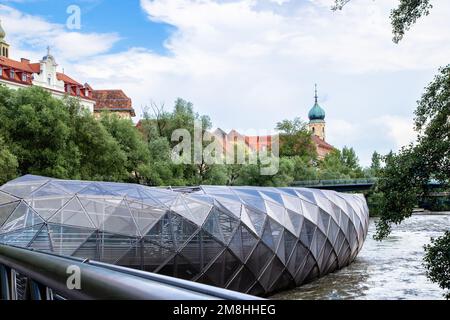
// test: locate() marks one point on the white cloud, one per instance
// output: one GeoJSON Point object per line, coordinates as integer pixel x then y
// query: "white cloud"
{"type": "Point", "coordinates": [31, 34]}
{"type": "Point", "coordinates": [400, 129]}
{"type": "Point", "coordinates": [251, 63]}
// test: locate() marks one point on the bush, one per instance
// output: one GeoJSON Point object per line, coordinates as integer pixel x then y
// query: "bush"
{"type": "Point", "coordinates": [437, 262]}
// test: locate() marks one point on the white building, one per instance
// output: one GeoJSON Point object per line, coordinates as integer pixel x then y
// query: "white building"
{"type": "Point", "coordinates": [20, 74]}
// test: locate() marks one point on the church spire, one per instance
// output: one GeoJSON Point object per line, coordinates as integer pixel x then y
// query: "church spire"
{"type": "Point", "coordinates": [316, 96]}
{"type": "Point", "coordinates": [4, 47]}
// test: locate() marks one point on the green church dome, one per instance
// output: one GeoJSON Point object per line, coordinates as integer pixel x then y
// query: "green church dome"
{"type": "Point", "coordinates": [316, 113]}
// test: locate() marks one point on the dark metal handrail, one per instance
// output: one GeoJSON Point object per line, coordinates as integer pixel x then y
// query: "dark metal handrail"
{"type": "Point", "coordinates": [47, 275]}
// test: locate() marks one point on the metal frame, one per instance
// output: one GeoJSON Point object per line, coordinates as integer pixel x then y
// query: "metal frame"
{"type": "Point", "coordinates": [47, 274]}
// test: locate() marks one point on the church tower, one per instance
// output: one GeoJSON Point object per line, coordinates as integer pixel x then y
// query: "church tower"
{"type": "Point", "coordinates": [317, 119]}
{"type": "Point", "coordinates": [4, 47]}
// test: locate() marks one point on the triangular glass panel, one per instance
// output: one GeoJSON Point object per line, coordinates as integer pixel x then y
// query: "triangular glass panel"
{"type": "Point", "coordinates": [273, 196]}
{"type": "Point", "coordinates": [133, 258]}
{"type": "Point", "coordinates": [179, 207]}
{"type": "Point", "coordinates": [42, 242]}
{"type": "Point", "coordinates": [257, 290]}
{"type": "Point", "coordinates": [275, 211]}
{"type": "Point", "coordinates": [308, 194]}
{"type": "Point", "coordinates": [49, 190]}
{"type": "Point", "coordinates": [87, 249]}
{"type": "Point", "coordinates": [165, 197]}
{"type": "Point", "coordinates": [298, 258]}
{"type": "Point", "coordinates": [277, 231]}
{"type": "Point", "coordinates": [119, 220]}
{"type": "Point", "coordinates": [154, 255]}
{"type": "Point", "coordinates": [296, 221]}
{"type": "Point", "coordinates": [236, 244]}
{"type": "Point", "coordinates": [325, 220]}
{"type": "Point", "coordinates": [231, 206]}
{"type": "Point", "coordinates": [6, 198]}
{"type": "Point", "coordinates": [95, 189]}
{"type": "Point", "coordinates": [307, 233]}
{"type": "Point", "coordinates": [254, 202]}
{"type": "Point", "coordinates": [311, 212]}
{"type": "Point", "coordinates": [305, 270]}
{"type": "Point", "coordinates": [113, 246]}
{"type": "Point", "coordinates": [47, 207]}
{"type": "Point", "coordinates": [146, 216]}
{"type": "Point", "coordinates": [243, 281]}
{"type": "Point", "coordinates": [267, 275]}
{"type": "Point", "coordinates": [292, 203]}
{"type": "Point", "coordinates": [257, 218]}
{"type": "Point", "coordinates": [246, 220]}
{"type": "Point", "coordinates": [21, 238]}
{"type": "Point", "coordinates": [21, 190]}
{"type": "Point", "coordinates": [280, 251]}
{"type": "Point", "coordinates": [199, 211]}
{"type": "Point", "coordinates": [6, 210]}
{"type": "Point", "coordinates": [259, 259]}
{"type": "Point", "coordinates": [30, 178]}
{"type": "Point", "coordinates": [161, 233]}
{"type": "Point", "coordinates": [212, 225]}
{"type": "Point", "coordinates": [223, 268]}
{"type": "Point", "coordinates": [22, 217]}
{"type": "Point", "coordinates": [283, 282]}
{"type": "Point", "coordinates": [70, 187]}
{"type": "Point", "coordinates": [184, 269]}
{"type": "Point", "coordinates": [267, 237]}
{"type": "Point", "coordinates": [289, 243]}
{"type": "Point", "coordinates": [182, 229]}
{"type": "Point", "coordinates": [72, 214]}
{"type": "Point", "coordinates": [66, 240]}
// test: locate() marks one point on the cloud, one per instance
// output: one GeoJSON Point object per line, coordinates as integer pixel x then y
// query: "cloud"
{"type": "Point", "coordinates": [31, 34]}
{"type": "Point", "coordinates": [400, 129]}
{"type": "Point", "coordinates": [251, 63]}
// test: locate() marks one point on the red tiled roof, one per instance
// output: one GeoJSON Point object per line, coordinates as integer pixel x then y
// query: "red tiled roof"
{"type": "Point", "coordinates": [67, 79]}
{"type": "Point", "coordinates": [320, 143]}
{"type": "Point", "coordinates": [18, 65]}
{"type": "Point", "coordinates": [112, 100]}
{"type": "Point", "coordinates": [258, 142]}
{"type": "Point", "coordinates": [36, 67]}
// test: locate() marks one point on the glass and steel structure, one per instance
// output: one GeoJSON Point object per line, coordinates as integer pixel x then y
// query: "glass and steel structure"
{"type": "Point", "coordinates": [250, 239]}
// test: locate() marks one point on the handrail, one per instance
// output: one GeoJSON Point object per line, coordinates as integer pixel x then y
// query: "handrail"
{"type": "Point", "coordinates": [335, 182]}
{"type": "Point", "coordinates": [98, 280]}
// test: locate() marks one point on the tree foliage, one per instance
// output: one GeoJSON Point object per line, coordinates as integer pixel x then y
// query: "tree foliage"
{"type": "Point", "coordinates": [403, 17]}
{"type": "Point", "coordinates": [437, 262]}
{"type": "Point", "coordinates": [405, 178]}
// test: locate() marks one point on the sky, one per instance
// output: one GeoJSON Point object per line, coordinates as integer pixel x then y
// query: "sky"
{"type": "Point", "coordinates": [248, 64]}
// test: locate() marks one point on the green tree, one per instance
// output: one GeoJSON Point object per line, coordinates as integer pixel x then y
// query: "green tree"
{"type": "Point", "coordinates": [132, 144]}
{"type": "Point", "coordinates": [8, 163]}
{"type": "Point", "coordinates": [375, 166]}
{"type": "Point", "coordinates": [402, 17]}
{"type": "Point", "coordinates": [295, 139]}
{"type": "Point", "coordinates": [437, 262]}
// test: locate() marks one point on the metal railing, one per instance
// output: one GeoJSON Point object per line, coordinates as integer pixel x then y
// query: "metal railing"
{"type": "Point", "coordinates": [32, 275]}
{"type": "Point", "coordinates": [336, 182]}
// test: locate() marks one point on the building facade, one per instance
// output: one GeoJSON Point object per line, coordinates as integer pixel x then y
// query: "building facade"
{"type": "Point", "coordinates": [21, 74]}
{"type": "Point", "coordinates": [316, 125]}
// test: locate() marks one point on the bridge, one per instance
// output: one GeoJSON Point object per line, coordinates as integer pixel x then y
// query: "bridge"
{"type": "Point", "coordinates": [31, 275]}
{"type": "Point", "coordinates": [350, 185]}
{"type": "Point", "coordinates": [341, 185]}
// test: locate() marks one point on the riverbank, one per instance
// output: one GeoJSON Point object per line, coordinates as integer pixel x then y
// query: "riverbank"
{"type": "Point", "coordinates": [388, 270]}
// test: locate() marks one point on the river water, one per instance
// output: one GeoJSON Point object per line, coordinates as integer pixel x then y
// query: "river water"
{"type": "Point", "coordinates": [391, 269]}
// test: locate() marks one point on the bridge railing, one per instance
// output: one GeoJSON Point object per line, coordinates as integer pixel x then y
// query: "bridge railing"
{"type": "Point", "coordinates": [32, 275]}
{"type": "Point", "coordinates": [317, 183]}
